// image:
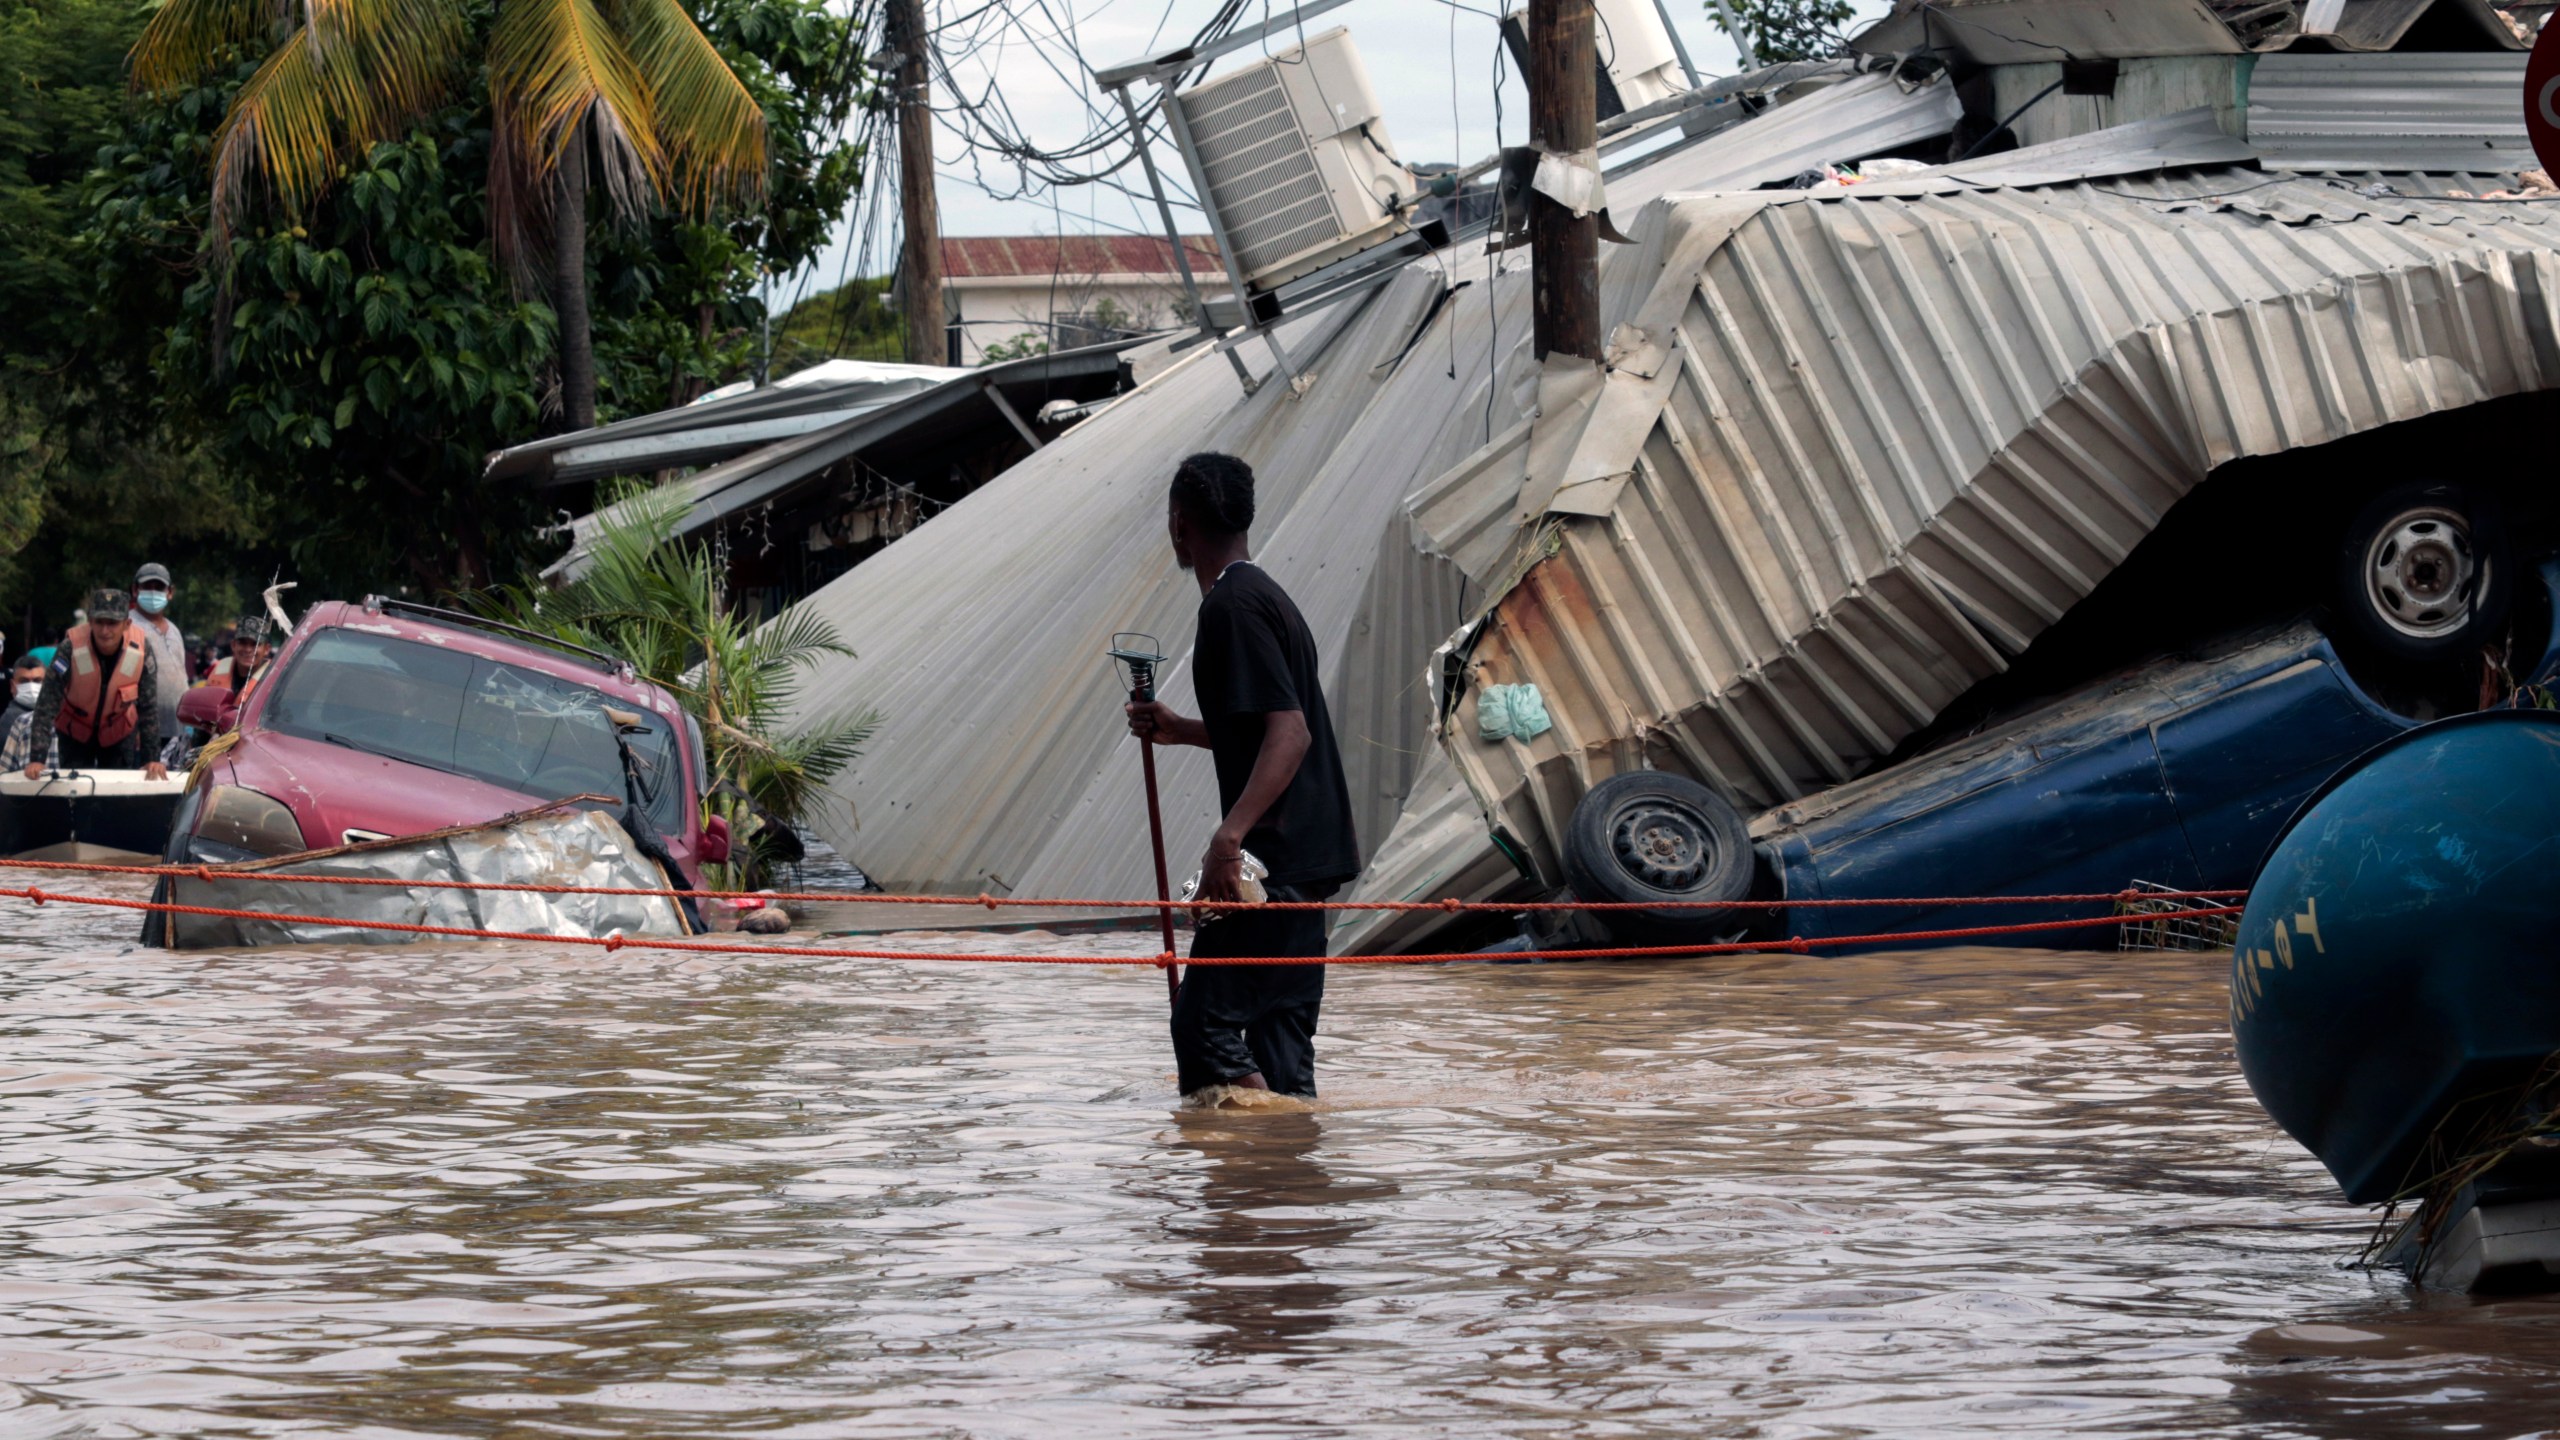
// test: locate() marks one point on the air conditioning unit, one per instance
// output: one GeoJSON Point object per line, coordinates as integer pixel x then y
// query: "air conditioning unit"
{"type": "Point", "coordinates": [1638, 63]}
{"type": "Point", "coordinates": [1636, 53]}
{"type": "Point", "coordinates": [1296, 161]}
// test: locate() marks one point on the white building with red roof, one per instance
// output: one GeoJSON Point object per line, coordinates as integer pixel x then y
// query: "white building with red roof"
{"type": "Point", "coordinates": [1012, 293]}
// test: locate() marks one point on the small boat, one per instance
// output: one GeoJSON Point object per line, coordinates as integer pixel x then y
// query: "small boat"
{"type": "Point", "coordinates": [2394, 1001]}
{"type": "Point", "coordinates": [87, 815]}
{"type": "Point", "coordinates": [568, 843]}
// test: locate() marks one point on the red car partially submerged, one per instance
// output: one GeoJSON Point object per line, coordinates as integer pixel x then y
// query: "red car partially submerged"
{"type": "Point", "coordinates": [388, 719]}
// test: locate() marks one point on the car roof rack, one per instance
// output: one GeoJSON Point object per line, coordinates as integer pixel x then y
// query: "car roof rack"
{"type": "Point", "coordinates": [612, 664]}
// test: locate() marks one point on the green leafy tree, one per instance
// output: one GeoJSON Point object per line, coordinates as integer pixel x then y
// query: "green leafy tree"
{"type": "Point", "coordinates": [1789, 29]}
{"type": "Point", "coordinates": [362, 363]}
{"type": "Point", "coordinates": [93, 478]}
{"type": "Point", "coordinates": [629, 93]}
{"type": "Point", "coordinates": [663, 604]}
{"type": "Point", "coordinates": [357, 365]}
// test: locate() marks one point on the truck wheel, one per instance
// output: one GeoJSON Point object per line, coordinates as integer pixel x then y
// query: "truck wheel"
{"type": "Point", "coordinates": [1647, 837]}
{"type": "Point", "coordinates": [2423, 573]}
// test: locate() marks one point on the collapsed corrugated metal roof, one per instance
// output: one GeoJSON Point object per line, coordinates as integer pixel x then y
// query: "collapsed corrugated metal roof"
{"type": "Point", "coordinates": [716, 426]}
{"type": "Point", "coordinates": [1001, 764]}
{"type": "Point", "coordinates": [1868, 114]}
{"type": "Point", "coordinates": [1859, 445]}
{"type": "Point", "coordinates": [818, 427]}
{"type": "Point", "coordinates": [1874, 445]}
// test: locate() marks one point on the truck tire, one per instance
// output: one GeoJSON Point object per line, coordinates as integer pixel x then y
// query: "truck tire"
{"type": "Point", "coordinates": [1647, 837]}
{"type": "Point", "coordinates": [2424, 572]}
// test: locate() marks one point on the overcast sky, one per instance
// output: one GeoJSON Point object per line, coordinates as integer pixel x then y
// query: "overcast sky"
{"type": "Point", "coordinates": [1432, 62]}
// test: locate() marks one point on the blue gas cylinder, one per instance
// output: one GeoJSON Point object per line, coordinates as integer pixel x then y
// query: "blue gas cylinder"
{"type": "Point", "coordinates": [2400, 951]}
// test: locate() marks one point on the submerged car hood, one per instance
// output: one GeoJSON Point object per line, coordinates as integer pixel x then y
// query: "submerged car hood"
{"type": "Point", "coordinates": [333, 789]}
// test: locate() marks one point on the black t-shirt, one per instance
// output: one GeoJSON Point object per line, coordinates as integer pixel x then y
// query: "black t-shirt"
{"type": "Point", "coordinates": [1255, 656]}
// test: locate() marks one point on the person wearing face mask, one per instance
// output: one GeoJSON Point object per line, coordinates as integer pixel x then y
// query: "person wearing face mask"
{"type": "Point", "coordinates": [26, 683]}
{"type": "Point", "coordinates": [152, 591]}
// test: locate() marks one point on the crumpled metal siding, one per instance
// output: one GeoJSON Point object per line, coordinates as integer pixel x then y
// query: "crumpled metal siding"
{"type": "Point", "coordinates": [2401, 111]}
{"type": "Point", "coordinates": [1908, 432]}
{"type": "Point", "coordinates": [573, 848]}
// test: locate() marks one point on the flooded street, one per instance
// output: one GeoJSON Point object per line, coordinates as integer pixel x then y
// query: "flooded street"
{"type": "Point", "coordinates": [478, 1191]}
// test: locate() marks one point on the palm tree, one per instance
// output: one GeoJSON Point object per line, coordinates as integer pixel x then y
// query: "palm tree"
{"type": "Point", "coordinates": [631, 87]}
{"type": "Point", "coordinates": [662, 604]}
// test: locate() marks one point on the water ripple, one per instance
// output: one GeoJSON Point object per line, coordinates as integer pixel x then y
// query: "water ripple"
{"type": "Point", "coordinates": [477, 1191]}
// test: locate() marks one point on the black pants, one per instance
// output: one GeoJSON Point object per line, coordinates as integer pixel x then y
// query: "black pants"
{"type": "Point", "coordinates": [77, 755]}
{"type": "Point", "coordinates": [1232, 1020]}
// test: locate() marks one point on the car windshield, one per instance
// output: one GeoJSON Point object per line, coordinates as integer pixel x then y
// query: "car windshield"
{"type": "Point", "coordinates": [520, 728]}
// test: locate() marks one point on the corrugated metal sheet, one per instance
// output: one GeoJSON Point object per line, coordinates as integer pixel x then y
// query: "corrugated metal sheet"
{"type": "Point", "coordinates": [1001, 764]}
{"type": "Point", "coordinates": [781, 464]}
{"type": "Point", "coordinates": [2188, 139]}
{"type": "Point", "coordinates": [1904, 434]}
{"type": "Point", "coordinates": [714, 426]}
{"type": "Point", "coordinates": [1862, 116]}
{"type": "Point", "coordinates": [2012, 32]}
{"type": "Point", "coordinates": [2400, 111]}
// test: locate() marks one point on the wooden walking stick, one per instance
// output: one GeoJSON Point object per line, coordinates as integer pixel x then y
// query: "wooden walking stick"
{"type": "Point", "coordinates": [1138, 658]}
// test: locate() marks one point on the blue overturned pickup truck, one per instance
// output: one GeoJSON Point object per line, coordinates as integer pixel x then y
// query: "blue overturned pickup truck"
{"type": "Point", "coordinates": [2178, 772]}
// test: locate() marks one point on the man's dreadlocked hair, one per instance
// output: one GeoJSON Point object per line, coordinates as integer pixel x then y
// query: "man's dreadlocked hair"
{"type": "Point", "coordinates": [1216, 491]}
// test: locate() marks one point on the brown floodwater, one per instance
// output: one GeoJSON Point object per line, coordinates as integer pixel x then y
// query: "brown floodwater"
{"type": "Point", "coordinates": [463, 1190]}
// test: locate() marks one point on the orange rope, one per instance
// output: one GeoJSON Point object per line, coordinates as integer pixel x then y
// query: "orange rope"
{"type": "Point", "coordinates": [37, 896]}
{"type": "Point", "coordinates": [210, 874]}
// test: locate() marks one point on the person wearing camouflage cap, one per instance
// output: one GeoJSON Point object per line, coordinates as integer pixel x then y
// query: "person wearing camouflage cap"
{"type": "Point", "coordinates": [101, 696]}
{"type": "Point", "coordinates": [249, 652]}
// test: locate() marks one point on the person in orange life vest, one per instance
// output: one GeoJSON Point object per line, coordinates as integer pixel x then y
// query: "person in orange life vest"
{"type": "Point", "coordinates": [101, 697]}
{"type": "Point", "coordinates": [249, 652]}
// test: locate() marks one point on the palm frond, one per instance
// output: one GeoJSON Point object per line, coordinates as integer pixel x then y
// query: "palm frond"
{"type": "Point", "coordinates": [713, 131]}
{"type": "Point", "coordinates": [385, 62]}
{"type": "Point", "coordinates": [559, 74]}
{"type": "Point", "coordinates": [185, 39]}
{"type": "Point", "coordinates": [358, 72]}
{"type": "Point", "coordinates": [282, 125]}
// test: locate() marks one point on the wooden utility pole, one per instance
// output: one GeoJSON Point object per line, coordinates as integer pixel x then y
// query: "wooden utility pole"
{"type": "Point", "coordinates": [920, 269]}
{"type": "Point", "coordinates": [1564, 121]}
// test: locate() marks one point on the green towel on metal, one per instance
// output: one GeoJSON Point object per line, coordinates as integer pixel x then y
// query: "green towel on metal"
{"type": "Point", "coordinates": [1511, 712]}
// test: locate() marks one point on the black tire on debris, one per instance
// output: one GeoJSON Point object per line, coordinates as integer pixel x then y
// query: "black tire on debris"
{"type": "Point", "coordinates": [2425, 571]}
{"type": "Point", "coordinates": [1648, 837]}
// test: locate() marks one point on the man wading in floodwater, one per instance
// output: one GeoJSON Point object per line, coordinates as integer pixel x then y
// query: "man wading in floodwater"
{"type": "Point", "coordinates": [1262, 717]}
